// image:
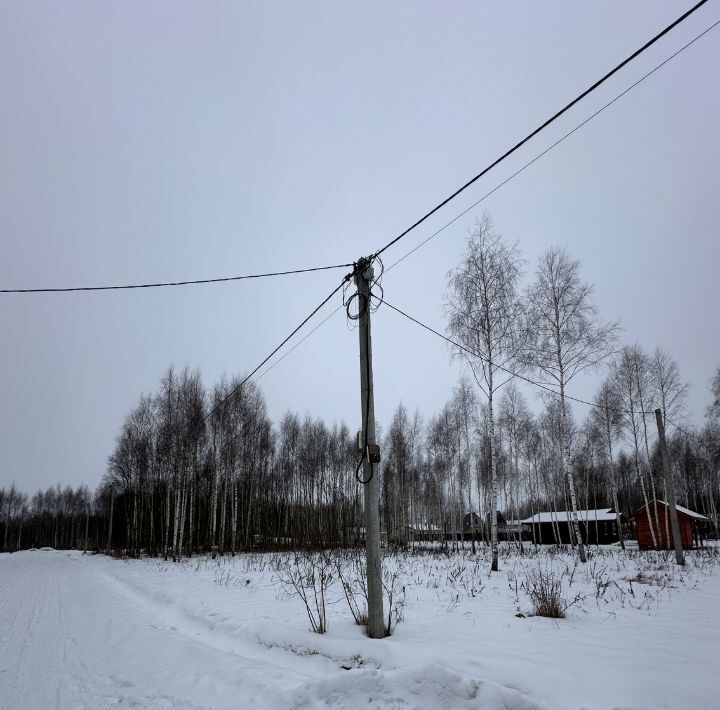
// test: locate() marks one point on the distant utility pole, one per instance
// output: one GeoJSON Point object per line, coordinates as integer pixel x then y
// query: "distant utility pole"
{"type": "Point", "coordinates": [370, 455]}
{"type": "Point", "coordinates": [679, 556]}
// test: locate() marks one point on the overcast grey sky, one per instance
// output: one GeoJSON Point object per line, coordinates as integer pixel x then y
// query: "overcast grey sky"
{"type": "Point", "coordinates": [173, 140]}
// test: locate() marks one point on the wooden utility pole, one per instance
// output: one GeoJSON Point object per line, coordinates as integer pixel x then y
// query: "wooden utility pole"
{"type": "Point", "coordinates": [370, 455]}
{"type": "Point", "coordinates": [679, 556]}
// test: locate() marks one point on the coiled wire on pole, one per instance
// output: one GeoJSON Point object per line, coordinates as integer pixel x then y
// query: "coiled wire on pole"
{"type": "Point", "coordinates": [364, 308]}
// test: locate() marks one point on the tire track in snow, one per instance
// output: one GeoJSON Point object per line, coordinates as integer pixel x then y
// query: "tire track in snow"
{"type": "Point", "coordinates": [74, 640]}
{"type": "Point", "coordinates": [28, 646]}
{"type": "Point", "coordinates": [201, 629]}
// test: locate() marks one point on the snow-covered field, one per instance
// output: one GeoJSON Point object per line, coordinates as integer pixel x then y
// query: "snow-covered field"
{"type": "Point", "coordinates": [80, 631]}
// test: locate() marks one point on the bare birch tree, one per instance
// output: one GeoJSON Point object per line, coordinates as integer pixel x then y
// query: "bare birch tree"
{"type": "Point", "coordinates": [626, 381]}
{"type": "Point", "coordinates": [514, 418]}
{"type": "Point", "coordinates": [608, 420]}
{"type": "Point", "coordinates": [464, 403]}
{"type": "Point", "coordinates": [668, 392]}
{"type": "Point", "coordinates": [566, 338]}
{"type": "Point", "coordinates": [484, 311]}
{"type": "Point", "coordinates": [713, 411]}
{"type": "Point", "coordinates": [396, 475]}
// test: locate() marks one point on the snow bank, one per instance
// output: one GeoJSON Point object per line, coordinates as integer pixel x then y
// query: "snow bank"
{"type": "Point", "coordinates": [425, 687]}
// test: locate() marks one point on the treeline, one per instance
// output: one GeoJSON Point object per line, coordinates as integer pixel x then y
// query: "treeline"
{"type": "Point", "coordinates": [198, 470]}
{"type": "Point", "coordinates": [185, 478]}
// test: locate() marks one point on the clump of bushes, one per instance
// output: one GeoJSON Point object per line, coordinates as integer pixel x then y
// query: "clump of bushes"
{"type": "Point", "coordinates": [544, 588]}
{"type": "Point", "coordinates": [308, 575]}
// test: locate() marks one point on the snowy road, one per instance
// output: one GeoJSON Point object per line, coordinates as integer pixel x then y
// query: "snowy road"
{"type": "Point", "coordinates": [70, 637]}
{"type": "Point", "coordinates": [88, 632]}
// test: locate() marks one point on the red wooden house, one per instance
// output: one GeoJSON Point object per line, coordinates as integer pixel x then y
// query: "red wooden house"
{"type": "Point", "coordinates": [687, 520]}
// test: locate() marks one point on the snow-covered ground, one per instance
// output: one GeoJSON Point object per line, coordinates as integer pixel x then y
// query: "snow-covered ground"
{"type": "Point", "coordinates": [80, 631]}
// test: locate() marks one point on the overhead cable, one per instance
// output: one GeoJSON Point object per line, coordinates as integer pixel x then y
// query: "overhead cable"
{"type": "Point", "coordinates": [174, 283]}
{"type": "Point", "coordinates": [554, 145]}
{"type": "Point", "coordinates": [491, 192]}
{"type": "Point", "coordinates": [544, 125]}
{"type": "Point", "coordinates": [684, 431]}
{"type": "Point", "coordinates": [507, 371]}
{"type": "Point", "coordinates": [266, 359]}
{"type": "Point", "coordinates": [300, 342]}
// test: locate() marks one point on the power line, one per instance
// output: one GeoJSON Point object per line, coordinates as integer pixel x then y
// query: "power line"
{"type": "Point", "coordinates": [544, 125]}
{"type": "Point", "coordinates": [448, 199]}
{"type": "Point", "coordinates": [684, 431]}
{"type": "Point", "coordinates": [504, 369]}
{"type": "Point", "coordinates": [345, 304]}
{"type": "Point", "coordinates": [416, 224]}
{"type": "Point", "coordinates": [174, 283]}
{"type": "Point", "coordinates": [307, 335]}
{"type": "Point", "coordinates": [436, 233]}
{"type": "Point", "coordinates": [554, 145]}
{"type": "Point", "coordinates": [266, 359]}
{"type": "Point", "coordinates": [533, 382]}
{"type": "Point", "coordinates": [300, 342]}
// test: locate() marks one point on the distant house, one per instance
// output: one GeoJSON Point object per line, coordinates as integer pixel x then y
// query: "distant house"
{"type": "Point", "coordinates": [598, 526]}
{"type": "Point", "coordinates": [472, 526]}
{"type": "Point", "coordinates": [688, 520]}
{"type": "Point", "coordinates": [424, 531]}
{"type": "Point", "coordinates": [506, 529]}
{"type": "Point", "coordinates": [515, 530]}
{"type": "Point", "coordinates": [500, 520]}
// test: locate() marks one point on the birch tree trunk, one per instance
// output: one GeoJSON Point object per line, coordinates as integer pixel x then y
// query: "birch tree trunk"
{"type": "Point", "coordinates": [166, 542]}
{"type": "Point", "coordinates": [87, 527]}
{"type": "Point", "coordinates": [176, 522]}
{"type": "Point", "coordinates": [569, 473]}
{"type": "Point", "coordinates": [493, 484]}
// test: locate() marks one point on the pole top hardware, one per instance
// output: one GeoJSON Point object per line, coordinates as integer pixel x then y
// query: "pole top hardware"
{"type": "Point", "coordinates": [364, 268]}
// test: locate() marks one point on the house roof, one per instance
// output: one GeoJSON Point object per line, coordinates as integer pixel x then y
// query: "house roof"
{"type": "Point", "coordinates": [564, 516]}
{"type": "Point", "coordinates": [680, 509]}
{"type": "Point", "coordinates": [423, 527]}
{"type": "Point", "coordinates": [689, 512]}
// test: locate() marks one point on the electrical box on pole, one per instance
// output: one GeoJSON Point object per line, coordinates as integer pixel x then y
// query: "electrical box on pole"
{"type": "Point", "coordinates": [370, 452]}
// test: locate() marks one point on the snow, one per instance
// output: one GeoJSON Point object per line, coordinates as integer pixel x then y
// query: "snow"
{"type": "Point", "coordinates": [82, 631]}
{"type": "Point", "coordinates": [430, 686]}
{"type": "Point", "coordinates": [563, 516]}
{"type": "Point", "coordinates": [682, 509]}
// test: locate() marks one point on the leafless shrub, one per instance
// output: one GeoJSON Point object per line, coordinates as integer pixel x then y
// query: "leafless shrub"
{"type": "Point", "coordinates": [514, 588]}
{"type": "Point", "coordinates": [544, 588]}
{"type": "Point", "coordinates": [223, 578]}
{"type": "Point", "coordinates": [308, 575]}
{"type": "Point", "coordinates": [255, 562]}
{"type": "Point", "coordinates": [351, 573]}
{"type": "Point", "coordinates": [395, 593]}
